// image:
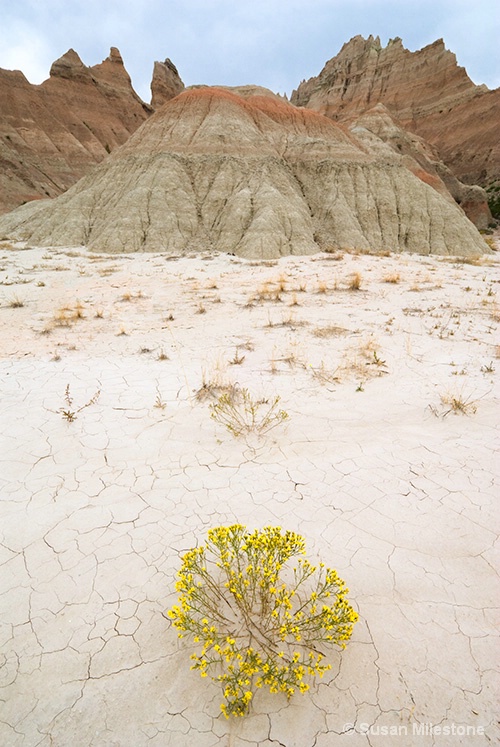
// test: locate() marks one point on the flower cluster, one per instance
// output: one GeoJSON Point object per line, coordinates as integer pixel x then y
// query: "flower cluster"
{"type": "Point", "coordinates": [259, 622]}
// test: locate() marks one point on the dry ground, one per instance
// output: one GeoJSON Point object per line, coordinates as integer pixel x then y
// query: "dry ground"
{"type": "Point", "coordinates": [388, 368]}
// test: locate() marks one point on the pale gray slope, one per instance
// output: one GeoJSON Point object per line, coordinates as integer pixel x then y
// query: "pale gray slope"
{"type": "Point", "coordinates": [254, 176]}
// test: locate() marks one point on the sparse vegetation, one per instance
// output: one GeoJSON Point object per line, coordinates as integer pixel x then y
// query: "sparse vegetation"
{"type": "Point", "coordinates": [325, 375]}
{"type": "Point", "coordinates": [128, 296]}
{"type": "Point", "coordinates": [393, 277]}
{"type": "Point", "coordinates": [268, 291]}
{"type": "Point", "coordinates": [456, 403]}
{"type": "Point", "coordinates": [322, 287]}
{"type": "Point", "coordinates": [330, 330]}
{"type": "Point", "coordinates": [68, 411]}
{"type": "Point", "coordinates": [493, 193]}
{"type": "Point", "coordinates": [378, 361]}
{"type": "Point", "coordinates": [160, 403]}
{"type": "Point", "coordinates": [290, 358]}
{"type": "Point", "coordinates": [488, 368]}
{"type": "Point", "coordinates": [237, 359]}
{"type": "Point", "coordinates": [333, 253]}
{"type": "Point", "coordinates": [363, 361]}
{"type": "Point", "coordinates": [213, 386]}
{"type": "Point", "coordinates": [287, 320]}
{"type": "Point", "coordinates": [65, 316]}
{"type": "Point", "coordinates": [355, 282]}
{"type": "Point", "coordinates": [241, 414]}
{"type": "Point", "coordinates": [474, 259]}
{"type": "Point", "coordinates": [281, 284]}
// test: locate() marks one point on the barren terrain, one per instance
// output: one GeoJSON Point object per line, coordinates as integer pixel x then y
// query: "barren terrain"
{"type": "Point", "coordinates": [111, 467]}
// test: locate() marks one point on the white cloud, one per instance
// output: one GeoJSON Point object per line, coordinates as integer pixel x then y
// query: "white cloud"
{"type": "Point", "coordinates": [269, 42]}
{"type": "Point", "coordinates": [25, 49]}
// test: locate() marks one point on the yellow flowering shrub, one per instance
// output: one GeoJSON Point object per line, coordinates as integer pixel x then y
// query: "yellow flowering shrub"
{"type": "Point", "coordinates": [259, 622]}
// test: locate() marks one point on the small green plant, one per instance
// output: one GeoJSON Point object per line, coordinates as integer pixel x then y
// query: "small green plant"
{"type": "Point", "coordinates": [258, 621]}
{"type": "Point", "coordinates": [69, 412]}
{"type": "Point", "coordinates": [242, 415]}
{"type": "Point", "coordinates": [376, 360]}
{"type": "Point", "coordinates": [493, 192]}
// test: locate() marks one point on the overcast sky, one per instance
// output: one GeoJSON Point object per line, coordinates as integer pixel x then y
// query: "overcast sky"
{"type": "Point", "coordinates": [273, 43]}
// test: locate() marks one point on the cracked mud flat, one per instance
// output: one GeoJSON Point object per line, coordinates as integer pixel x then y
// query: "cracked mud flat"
{"type": "Point", "coordinates": [386, 487]}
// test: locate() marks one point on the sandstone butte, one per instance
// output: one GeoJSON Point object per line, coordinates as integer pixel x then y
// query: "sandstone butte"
{"type": "Point", "coordinates": [426, 91]}
{"type": "Point", "coordinates": [251, 174]}
{"type": "Point", "coordinates": [52, 134]}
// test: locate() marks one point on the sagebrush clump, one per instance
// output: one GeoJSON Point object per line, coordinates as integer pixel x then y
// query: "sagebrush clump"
{"type": "Point", "coordinates": [241, 414]}
{"type": "Point", "coordinates": [259, 622]}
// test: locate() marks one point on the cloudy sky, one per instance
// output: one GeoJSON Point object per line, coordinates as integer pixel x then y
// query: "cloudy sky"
{"type": "Point", "coordinates": [274, 43]}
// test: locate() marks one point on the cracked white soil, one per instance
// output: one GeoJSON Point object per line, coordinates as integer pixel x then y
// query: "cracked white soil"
{"type": "Point", "coordinates": [387, 483]}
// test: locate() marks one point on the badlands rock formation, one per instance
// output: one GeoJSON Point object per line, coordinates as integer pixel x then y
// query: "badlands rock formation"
{"type": "Point", "coordinates": [381, 132]}
{"type": "Point", "coordinates": [428, 92]}
{"type": "Point", "coordinates": [248, 174]}
{"type": "Point", "coordinates": [166, 83]}
{"type": "Point", "coordinates": [52, 134]}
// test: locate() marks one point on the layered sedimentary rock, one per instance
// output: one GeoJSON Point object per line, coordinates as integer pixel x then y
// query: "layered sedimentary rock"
{"type": "Point", "coordinates": [428, 92]}
{"type": "Point", "coordinates": [382, 133]}
{"type": "Point", "coordinates": [166, 83]}
{"type": "Point", "coordinates": [52, 134]}
{"type": "Point", "coordinates": [252, 175]}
